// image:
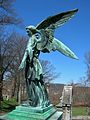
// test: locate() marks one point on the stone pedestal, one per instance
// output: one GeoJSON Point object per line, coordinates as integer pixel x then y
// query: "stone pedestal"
{"type": "Point", "coordinates": [33, 113]}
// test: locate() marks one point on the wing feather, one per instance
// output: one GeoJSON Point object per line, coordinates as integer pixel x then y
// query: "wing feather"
{"type": "Point", "coordinates": [55, 21]}
{"type": "Point", "coordinates": [59, 46]}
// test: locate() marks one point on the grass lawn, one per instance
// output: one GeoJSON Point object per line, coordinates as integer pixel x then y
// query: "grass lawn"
{"type": "Point", "coordinates": [78, 111]}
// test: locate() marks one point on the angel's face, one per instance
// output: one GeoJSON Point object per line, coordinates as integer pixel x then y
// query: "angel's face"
{"type": "Point", "coordinates": [39, 38]}
{"type": "Point", "coordinates": [33, 33]}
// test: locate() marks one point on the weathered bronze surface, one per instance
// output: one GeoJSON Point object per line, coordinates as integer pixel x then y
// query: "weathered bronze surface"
{"type": "Point", "coordinates": [42, 40]}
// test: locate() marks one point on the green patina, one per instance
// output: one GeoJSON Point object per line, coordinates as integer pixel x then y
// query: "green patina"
{"type": "Point", "coordinates": [41, 40]}
{"type": "Point", "coordinates": [31, 113]}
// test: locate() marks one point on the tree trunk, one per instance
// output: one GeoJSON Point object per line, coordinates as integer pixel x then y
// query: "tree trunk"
{"type": "Point", "coordinates": [19, 95]}
{"type": "Point", "coordinates": [14, 87]}
{"type": "Point", "coordinates": [18, 87]}
{"type": "Point", "coordinates": [1, 88]}
{"type": "Point", "coordinates": [1, 76]}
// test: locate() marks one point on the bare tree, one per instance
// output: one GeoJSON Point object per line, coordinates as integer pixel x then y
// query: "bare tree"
{"type": "Point", "coordinates": [19, 44]}
{"type": "Point", "coordinates": [82, 91]}
{"type": "Point", "coordinates": [7, 13]}
{"type": "Point", "coordinates": [87, 62]}
{"type": "Point", "coordinates": [87, 81]}
{"type": "Point", "coordinates": [49, 73]}
{"type": "Point", "coordinates": [7, 17]}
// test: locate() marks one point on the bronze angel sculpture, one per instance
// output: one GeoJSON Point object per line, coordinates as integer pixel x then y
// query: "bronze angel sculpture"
{"type": "Point", "coordinates": [42, 40]}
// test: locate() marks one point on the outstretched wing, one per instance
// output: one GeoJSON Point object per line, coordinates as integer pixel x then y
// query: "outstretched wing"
{"type": "Point", "coordinates": [55, 21]}
{"type": "Point", "coordinates": [58, 45]}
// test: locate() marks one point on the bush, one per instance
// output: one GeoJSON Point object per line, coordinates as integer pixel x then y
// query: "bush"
{"type": "Point", "coordinates": [8, 105]}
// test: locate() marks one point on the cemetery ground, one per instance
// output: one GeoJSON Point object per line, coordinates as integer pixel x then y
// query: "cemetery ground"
{"type": "Point", "coordinates": [79, 111]}
{"type": "Point", "coordinates": [55, 91]}
{"type": "Point", "coordinates": [9, 105]}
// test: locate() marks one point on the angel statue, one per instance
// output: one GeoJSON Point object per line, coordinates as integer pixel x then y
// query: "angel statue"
{"type": "Point", "coordinates": [42, 40]}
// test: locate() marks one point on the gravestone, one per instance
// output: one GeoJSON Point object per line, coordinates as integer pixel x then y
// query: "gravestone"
{"type": "Point", "coordinates": [67, 103]}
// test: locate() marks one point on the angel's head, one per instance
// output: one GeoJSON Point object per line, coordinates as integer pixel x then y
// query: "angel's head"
{"type": "Point", "coordinates": [31, 30]}
{"type": "Point", "coordinates": [36, 37]}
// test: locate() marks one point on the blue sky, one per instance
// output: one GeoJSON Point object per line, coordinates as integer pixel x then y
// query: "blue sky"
{"type": "Point", "coordinates": [74, 33]}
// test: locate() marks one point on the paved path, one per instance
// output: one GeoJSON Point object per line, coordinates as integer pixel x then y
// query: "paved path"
{"type": "Point", "coordinates": [81, 118]}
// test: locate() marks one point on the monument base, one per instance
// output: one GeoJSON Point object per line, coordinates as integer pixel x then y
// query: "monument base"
{"type": "Point", "coordinates": [33, 113]}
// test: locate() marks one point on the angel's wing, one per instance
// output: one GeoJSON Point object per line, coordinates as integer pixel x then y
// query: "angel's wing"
{"type": "Point", "coordinates": [57, 20]}
{"type": "Point", "coordinates": [59, 46]}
